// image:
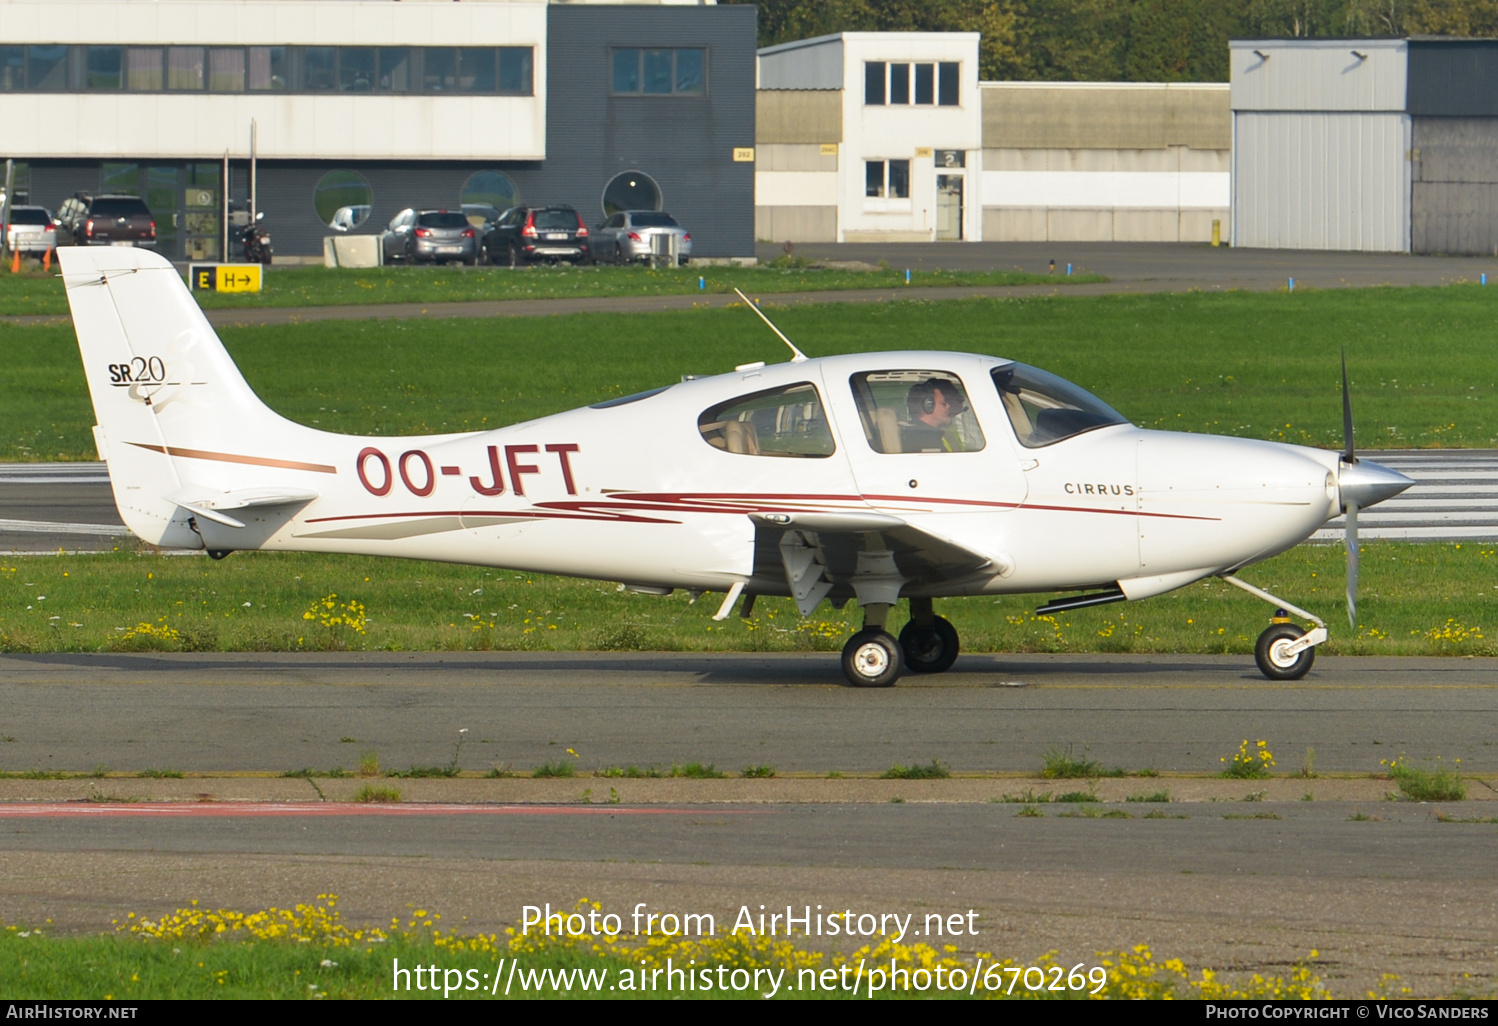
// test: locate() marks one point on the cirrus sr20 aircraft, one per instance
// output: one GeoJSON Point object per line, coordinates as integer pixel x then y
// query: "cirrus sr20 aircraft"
{"type": "Point", "coordinates": [876, 477]}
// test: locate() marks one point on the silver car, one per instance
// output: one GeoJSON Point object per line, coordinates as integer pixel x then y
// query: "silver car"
{"type": "Point", "coordinates": [31, 230]}
{"type": "Point", "coordinates": [429, 236]}
{"type": "Point", "coordinates": [627, 237]}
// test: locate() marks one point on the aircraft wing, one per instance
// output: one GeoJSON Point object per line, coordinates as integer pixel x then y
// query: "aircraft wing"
{"type": "Point", "coordinates": [864, 554]}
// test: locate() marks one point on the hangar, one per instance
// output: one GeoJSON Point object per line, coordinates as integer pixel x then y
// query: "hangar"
{"type": "Point", "coordinates": [362, 108]}
{"type": "Point", "coordinates": [1384, 145]}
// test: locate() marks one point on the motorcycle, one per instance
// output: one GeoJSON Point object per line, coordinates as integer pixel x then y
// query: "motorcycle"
{"type": "Point", "coordinates": [256, 241]}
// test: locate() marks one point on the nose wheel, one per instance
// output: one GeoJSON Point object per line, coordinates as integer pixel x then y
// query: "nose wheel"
{"type": "Point", "coordinates": [1277, 654]}
{"type": "Point", "coordinates": [1284, 651]}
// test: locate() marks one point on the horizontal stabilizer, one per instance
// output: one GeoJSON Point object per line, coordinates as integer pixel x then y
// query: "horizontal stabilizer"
{"type": "Point", "coordinates": [212, 504]}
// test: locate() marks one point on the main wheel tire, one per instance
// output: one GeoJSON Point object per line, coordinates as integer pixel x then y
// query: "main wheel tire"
{"type": "Point", "coordinates": [931, 649]}
{"type": "Point", "coordinates": [1273, 662]}
{"type": "Point", "coordinates": [514, 257]}
{"type": "Point", "coordinates": [872, 659]}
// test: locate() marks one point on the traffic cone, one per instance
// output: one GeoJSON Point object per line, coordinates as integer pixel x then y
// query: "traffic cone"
{"type": "Point", "coordinates": [15, 263]}
{"type": "Point", "coordinates": [47, 260]}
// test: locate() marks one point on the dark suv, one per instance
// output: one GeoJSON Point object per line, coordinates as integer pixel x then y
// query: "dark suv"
{"type": "Point", "coordinates": [107, 220]}
{"type": "Point", "coordinates": [527, 234]}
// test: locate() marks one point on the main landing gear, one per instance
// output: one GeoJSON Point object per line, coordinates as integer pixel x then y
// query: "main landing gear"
{"type": "Point", "coordinates": [1284, 651]}
{"type": "Point", "coordinates": [874, 658]}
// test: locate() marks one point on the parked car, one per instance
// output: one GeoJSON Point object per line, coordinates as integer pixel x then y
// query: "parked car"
{"type": "Point", "coordinates": [438, 236]}
{"type": "Point", "coordinates": [525, 235]}
{"type": "Point", "coordinates": [107, 221]}
{"type": "Point", "coordinates": [626, 237]}
{"type": "Point", "coordinates": [483, 217]}
{"type": "Point", "coordinates": [31, 230]}
{"type": "Point", "coordinates": [346, 219]}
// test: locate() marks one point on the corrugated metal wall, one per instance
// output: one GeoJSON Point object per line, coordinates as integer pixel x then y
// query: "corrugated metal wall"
{"type": "Point", "coordinates": [1305, 180]}
{"type": "Point", "coordinates": [1454, 197]}
{"type": "Point", "coordinates": [685, 143]}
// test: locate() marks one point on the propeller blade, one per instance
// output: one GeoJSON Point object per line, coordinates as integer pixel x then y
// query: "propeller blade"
{"type": "Point", "coordinates": [1352, 564]}
{"type": "Point", "coordinates": [1347, 454]}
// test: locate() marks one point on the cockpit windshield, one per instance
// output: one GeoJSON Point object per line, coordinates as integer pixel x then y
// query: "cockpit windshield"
{"type": "Point", "coordinates": [1045, 409]}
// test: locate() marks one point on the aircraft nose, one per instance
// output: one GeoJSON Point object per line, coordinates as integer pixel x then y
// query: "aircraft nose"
{"type": "Point", "coordinates": [1365, 483]}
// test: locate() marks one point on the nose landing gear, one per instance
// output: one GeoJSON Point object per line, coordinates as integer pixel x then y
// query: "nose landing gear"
{"type": "Point", "coordinates": [1284, 651]}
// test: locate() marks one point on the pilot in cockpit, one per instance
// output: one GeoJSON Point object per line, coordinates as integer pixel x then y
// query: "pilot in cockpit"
{"type": "Point", "coordinates": [933, 405]}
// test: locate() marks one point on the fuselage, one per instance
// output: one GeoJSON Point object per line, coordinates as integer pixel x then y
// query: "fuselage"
{"type": "Point", "coordinates": [657, 491]}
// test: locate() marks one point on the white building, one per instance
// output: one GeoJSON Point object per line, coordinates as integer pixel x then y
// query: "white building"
{"type": "Point", "coordinates": [859, 140]}
{"type": "Point", "coordinates": [867, 136]}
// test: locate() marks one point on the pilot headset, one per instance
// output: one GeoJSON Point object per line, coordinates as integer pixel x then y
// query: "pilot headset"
{"type": "Point", "coordinates": [922, 398]}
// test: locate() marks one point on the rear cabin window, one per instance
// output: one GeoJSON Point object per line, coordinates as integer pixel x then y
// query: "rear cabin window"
{"type": "Point", "coordinates": [443, 219]}
{"type": "Point", "coordinates": [120, 208]}
{"type": "Point", "coordinates": [649, 219]}
{"type": "Point", "coordinates": [556, 220]}
{"type": "Point", "coordinates": [1045, 409]}
{"type": "Point", "coordinates": [34, 215]}
{"type": "Point", "coordinates": [907, 411]}
{"type": "Point", "coordinates": [787, 421]}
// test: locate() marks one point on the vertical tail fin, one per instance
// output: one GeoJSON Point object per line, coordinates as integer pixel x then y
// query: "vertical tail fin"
{"type": "Point", "coordinates": [174, 413]}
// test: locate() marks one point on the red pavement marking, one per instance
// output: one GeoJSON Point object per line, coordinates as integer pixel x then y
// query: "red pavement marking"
{"type": "Point", "coordinates": [32, 810]}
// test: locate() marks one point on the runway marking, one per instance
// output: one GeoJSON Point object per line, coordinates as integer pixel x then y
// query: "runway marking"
{"type": "Point", "coordinates": [45, 810]}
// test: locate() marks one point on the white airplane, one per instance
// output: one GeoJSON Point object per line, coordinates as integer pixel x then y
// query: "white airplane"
{"type": "Point", "coordinates": [875, 477]}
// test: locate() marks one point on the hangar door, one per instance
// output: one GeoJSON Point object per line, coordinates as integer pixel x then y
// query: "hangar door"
{"type": "Point", "coordinates": [1321, 180]}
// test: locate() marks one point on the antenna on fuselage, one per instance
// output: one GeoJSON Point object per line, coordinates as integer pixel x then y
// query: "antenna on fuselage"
{"type": "Point", "coordinates": [797, 355]}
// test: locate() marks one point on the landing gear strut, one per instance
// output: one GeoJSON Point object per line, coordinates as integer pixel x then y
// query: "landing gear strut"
{"type": "Point", "coordinates": [1284, 651]}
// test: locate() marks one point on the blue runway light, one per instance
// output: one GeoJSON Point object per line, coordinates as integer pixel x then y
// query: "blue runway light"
{"type": "Point", "coordinates": [1292, 284]}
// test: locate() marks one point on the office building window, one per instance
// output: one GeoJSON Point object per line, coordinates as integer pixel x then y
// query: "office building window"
{"type": "Point", "coordinates": [319, 68]}
{"type": "Point", "coordinates": [515, 74]}
{"type": "Point", "coordinates": [268, 68]}
{"type": "Point", "coordinates": [925, 84]}
{"type": "Point", "coordinates": [143, 69]}
{"type": "Point", "coordinates": [184, 67]}
{"type": "Point", "coordinates": [887, 179]}
{"type": "Point", "coordinates": [226, 70]}
{"type": "Point", "coordinates": [946, 84]}
{"type": "Point", "coordinates": [356, 69]}
{"type": "Point", "coordinates": [873, 83]}
{"type": "Point", "coordinates": [899, 84]}
{"type": "Point", "coordinates": [659, 71]}
{"type": "Point", "coordinates": [903, 84]}
{"type": "Point", "coordinates": [487, 70]}
{"type": "Point", "coordinates": [632, 190]}
{"type": "Point", "coordinates": [343, 200]}
{"type": "Point", "coordinates": [104, 69]}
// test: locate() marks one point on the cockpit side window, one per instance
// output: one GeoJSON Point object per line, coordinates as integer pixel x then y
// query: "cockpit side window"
{"type": "Point", "coordinates": [788, 421]}
{"type": "Point", "coordinates": [1045, 409]}
{"type": "Point", "coordinates": [905, 411]}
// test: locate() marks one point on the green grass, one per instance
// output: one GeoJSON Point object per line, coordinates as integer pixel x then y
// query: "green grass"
{"type": "Point", "coordinates": [37, 293]}
{"type": "Point", "coordinates": [1060, 765]}
{"type": "Point", "coordinates": [1162, 795]}
{"type": "Point", "coordinates": [1428, 784]}
{"type": "Point", "coordinates": [1408, 593]}
{"type": "Point", "coordinates": [631, 772]}
{"type": "Point", "coordinates": [377, 793]}
{"type": "Point", "coordinates": [758, 772]}
{"type": "Point", "coordinates": [697, 771]}
{"type": "Point", "coordinates": [559, 768]}
{"type": "Point", "coordinates": [1248, 364]}
{"type": "Point", "coordinates": [932, 771]}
